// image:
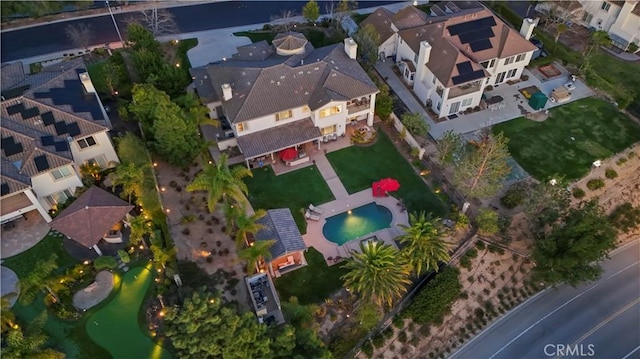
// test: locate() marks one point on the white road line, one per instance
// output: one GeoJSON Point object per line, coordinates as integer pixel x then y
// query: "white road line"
{"type": "Point", "coordinates": [631, 352]}
{"type": "Point", "coordinates": [557, 309]}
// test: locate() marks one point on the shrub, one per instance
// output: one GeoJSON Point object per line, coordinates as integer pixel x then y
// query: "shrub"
{"type": "Point", "coordinates": [367, 349]}
{"type": "Point", "coordinates": [402, 337]}
{"type": "Point", "coordinates": [625, 217]}
{"type": "Point", "coordinates": [610, 173]}
{"type": "Point", "coordinates": [415, 124]}
{"type": "Point", "coordinates": [124, 256]}
{"type": "Point", "coordinates": [378, 341]}
{"type": "Point", "coordinates": [621, 161]}
{"type": "Point", "coordinates": [105, 262]}
{"type": "Point", "coordinates": [487, 221]}
{"type": "Point", "coordinates": [480, 245]}
{"type": "Point", "coordinates": [514, 196]}
{"type": "Point", "coordinates": [435, 299]}
{"type": "Point", "coordinates": [578, 192]}
{"type": "Point", "coordinates": [465, 261]}
{"type": "Point", "coordinates": [595, 184]}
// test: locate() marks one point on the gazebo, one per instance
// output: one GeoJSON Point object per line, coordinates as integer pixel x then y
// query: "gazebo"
{"type": "Point", "coordinates": [90, 217]}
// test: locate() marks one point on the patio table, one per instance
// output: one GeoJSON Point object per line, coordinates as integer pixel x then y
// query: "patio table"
{"type": "Point", "coordinates": [494, 102]}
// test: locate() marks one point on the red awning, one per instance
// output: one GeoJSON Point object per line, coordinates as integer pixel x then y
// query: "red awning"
{"type": "Point", "coordinates": [288, 154]}
{"type": "Point", "coordinates": [389, 184]}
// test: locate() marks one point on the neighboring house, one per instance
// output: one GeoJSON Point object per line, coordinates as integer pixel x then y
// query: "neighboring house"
{"type": "Point", "coordinates": [287, 253]}
{"type": "Point", "coordinates": [620, 19]}
{"type": "Point", "coordinates": [52, 123]}
{"type": "Point", "coordinates": [450, 56]}
{"type": "Point", "coordinates": [272, 97]}
{"type": "Point", "coordinates": [90, 218]}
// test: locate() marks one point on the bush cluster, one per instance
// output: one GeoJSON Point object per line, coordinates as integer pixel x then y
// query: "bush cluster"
{"type": "Point", "coordinates": [434, 300]}
{"type": "Point", "coordinates": [610, 173]}
{"type": "Point", "coordinates": [595, 184]}
{"type": "Point", "coordinates": [578, 192]}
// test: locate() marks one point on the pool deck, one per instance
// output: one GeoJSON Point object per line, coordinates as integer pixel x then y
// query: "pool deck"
{"type": "Point", "coordinates": [342, 203]}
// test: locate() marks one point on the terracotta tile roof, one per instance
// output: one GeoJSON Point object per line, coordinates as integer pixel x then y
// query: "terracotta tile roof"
{"type": "Point", "coordinates": [11, 74]}
{"type": "Point", "coordinates": [280, 226]}
{"type": "Point", "coordinates": [91, 216]}
{"type": "Point", "coordinates": [409, 17]}
{"type": "Point", "coordinates": [290, 41]}
{"type": "Point", "coordinates": [278, 138]}
{"type": "Point", "coordinates": [279, 83]}
{"type": "Point", "coordinates": [12, 178]}
{"type": "Point", "coordinates": [381, 21]}
{"type": "Point", "coordinates": [636, 9]}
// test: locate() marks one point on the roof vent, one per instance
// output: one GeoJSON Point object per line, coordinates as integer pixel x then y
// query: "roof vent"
{"type": "Point", "coordinates": [86, 82]}
{"type": "Point", "coordinates": [227, 93]}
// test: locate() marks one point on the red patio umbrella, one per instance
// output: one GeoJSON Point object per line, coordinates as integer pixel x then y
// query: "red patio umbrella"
{"type": "Point", "coordinates": [389, 184]}
{"type": "Point", "coordinates": [288, 154]}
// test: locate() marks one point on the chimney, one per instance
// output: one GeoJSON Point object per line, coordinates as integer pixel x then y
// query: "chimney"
{"type": "Point", "coordinates": [351, 48]}
{"type": "Point", "coordinates": [226, 92]}
{"type": "Point", "coordinates": [86, 82]}
{"type": "Point", "coordinates": [527, 27]}
{"type": "Point", "coordinates": [425, 53]}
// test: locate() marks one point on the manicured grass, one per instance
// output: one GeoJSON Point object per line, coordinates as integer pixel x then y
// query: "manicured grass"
{"type": "Point", "coordinates": [318, 38]}
{"type": "Point", "coordinates": [313, 283]}
{"type": "Point", "coordinates": [618, 73]}
{"type": "Point", "coordinates": [359, 167]}
{"type": "Point", "coordinates": [115, 326]}
{"type": "Point", "coordinates": [181, 54]}
{"type": "Point", "coordinates": [97, 72]}
{"type": "Point", "coordinates": [294, 190]}
{"type": "Point", "coordinates": [24, 262]}
{"type": "Point", "coordinates": [257, 36]}
{"type": "Point", "coordinates": [545, 149]}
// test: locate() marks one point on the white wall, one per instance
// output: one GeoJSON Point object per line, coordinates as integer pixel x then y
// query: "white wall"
{"type": "Point", "coordinates": [404, 52]}
{"type": "Point", "coordinates": [627, 25]}
{"type": "Point", "coordinates": [602, 20]}
{"type": "Point", "coordinates": [266, 122]}
{"type": "Point", "coordinates": [44, 185]}
{"type": "Point", "coordinates": [475, 101]}
{"type": "Point", "coordinates": [388, 46]}
{"type": "Point", "coordinates": [501, 67]}
{"type": "Point", "coordinates": [338, 119]}
{"type": "Point", "coordinates": [103, 146]}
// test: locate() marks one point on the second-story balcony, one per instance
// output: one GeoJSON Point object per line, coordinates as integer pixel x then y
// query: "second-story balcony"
{"type": "Point", "coordinates": [357, 105]}
{"type": "Point", "coordinates": [465, 89]}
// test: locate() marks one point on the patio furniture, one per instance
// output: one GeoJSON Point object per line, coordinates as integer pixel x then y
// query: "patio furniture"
{"type": "Point", "coordinates": [315, 209]}
{"type": "Point", "coordinates": [495, 102]}
{"type": "Point", "coordinates": [311, 216]}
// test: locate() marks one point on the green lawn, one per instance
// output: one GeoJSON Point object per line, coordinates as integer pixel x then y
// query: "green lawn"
{"type": "Point", "coordinates": [359, 167]}
{"type": "Point", "coordinates": [23, 263]}
{"type": "Point", "coordinates": [313, 283]}
{"type": "Point", "coordinates": [257, 36]}
{"type": "Point", "coordinates": [317, 38]}
{"type": "Point", "coordinates": [294, 190]}
{"type": "Point", "coordinates": [545, 149]}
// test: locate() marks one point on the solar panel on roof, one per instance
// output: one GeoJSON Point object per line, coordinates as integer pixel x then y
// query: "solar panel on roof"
{"type": "Point", "coordinates": [41, 163]}
{"type": "Point", "coordinates": [13, 109]}
{"type": "Point", "coordinates": [7, 141]}
{"type": "Point", "coordinates": [61, 146]}
{"type": "Point", "coordinates": [480, 45]}
{"type": "Point", "coordinates": [464, 67]}
{"type": "Point", "coordinates": [4, 189]}
{"type": "Point", "coordinates": [61, 127]}
{"type": "Point", "coordinates": [32, 112]}
{"type": "Point", "coordinates": [471, 25]}
{"type": "Point", "coordinates": [47, 140]}
{"type": "Point", "coordinates": [13, 149]}
{"type": "Point", "coordinates": [73, 129]}
{"type": "Point", "coordinates": [476, 35]}
{"type": "Point", "coordinates": [48, 118]}
{"type": "Point", "coordinates": [460, 79]}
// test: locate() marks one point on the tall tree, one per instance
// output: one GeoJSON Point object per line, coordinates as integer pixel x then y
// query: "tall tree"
{"type": "Point", "coordinates": [245, 225]}
{"type": "Point", "coordinates": [140, 228]}
{"type": "Point", "coordinates": [368, 40]}
{"type": "Point", "coordinates": [158, 21]}
{"type": "Point", "coordinates": [38, 280]}
{"type": "Point", "coordinates": [422, 242]}
{"type": "Point", "coordinates": [483, 166]}
{"type": "Point", "coordinates": [221, 182]}
{"type": "Point", "coordinates": [545, 204]}
{"type": "Point", "coordinates": [131, 177]}
{"type": "Point", "coordinates": [378, 273]}
{"type": "Point", "coordinates": [571, 252]}
{"type": "Point", "coordinates": [448, 147]}
{"type": "Point", "coordinates": [255, 253]}
{"type": "Point", "coordinates": [561, 28]}
{"type": "Point", "coordinates": [311, 11]}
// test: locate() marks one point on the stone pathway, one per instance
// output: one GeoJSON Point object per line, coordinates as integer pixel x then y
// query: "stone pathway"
{"type": "Point", "coordinates": [331, 177]}
{"type": "Point", "coordinates": [95, 292]}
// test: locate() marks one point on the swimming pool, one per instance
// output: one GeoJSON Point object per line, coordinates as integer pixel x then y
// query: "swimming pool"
{"type": "Point", "coordinates": [364, 220]}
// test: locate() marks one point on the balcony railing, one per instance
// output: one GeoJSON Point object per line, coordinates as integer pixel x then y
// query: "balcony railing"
{"type": "Point", "coordinates": [463, 90]}
{"type": "Point", "coordinates": [361, 106]}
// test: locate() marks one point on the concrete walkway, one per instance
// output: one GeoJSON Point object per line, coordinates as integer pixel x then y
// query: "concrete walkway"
{"type": "Point", "coordinates": [331, 177]}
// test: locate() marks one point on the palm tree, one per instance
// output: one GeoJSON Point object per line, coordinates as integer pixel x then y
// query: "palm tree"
{"type": "Point", "coordinates": [39, 279]}
{"type": "Point", "coordinates": [131, 177]}
{"type": "Point", "coordinates": [221, 182]}
{"type": "Point", "coordinates": [247, 224]}
{"type": "Point", "coordinates": [560, 29]}
{"type": "Point", "coordinates": [256, 252]}
{"type": "Point", "coordinates": [378, 273]}
{"type": "Point", "coordinates": [140, 227]}
{"type": "Point", "coordinates": [231, 212]}
{"type": "Point", "coordinates": [91, 173]}
{"type": "Point", "coordinates": [423, 244]}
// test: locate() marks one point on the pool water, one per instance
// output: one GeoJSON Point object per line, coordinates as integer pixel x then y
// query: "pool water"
{"type": "Point", "coordinates": [364, 220]}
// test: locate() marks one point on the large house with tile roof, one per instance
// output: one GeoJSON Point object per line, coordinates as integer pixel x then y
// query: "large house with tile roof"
{"type": "Point", "coordinates": [52, 123]}
{"type": "Point", "coordinates": [449, 56]}
{"type": "Point", "coordinates": [620, 19]}
{"type": "Point", "coordinates": [287, 94]}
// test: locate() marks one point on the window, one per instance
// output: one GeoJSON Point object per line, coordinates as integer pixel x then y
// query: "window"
{"type": "Point", "coordinates": [415, 59]}
{"type": "Point", "coordinates": [508, 60]}
{"type": "Point", "coordinates": [406, 72]}
{"type": "Point", "coordinates": [493, 62]}
{"type": "Point", "coordinates": [511, 73]}
{"type": "Point", "coordinates": [328, 130]}
{"type": "Point", "coordinates": [605, 6]}
{"type": "Point", "coordinates": [485, 64]}
{"type": "Point", "coordinates": [61, 172]}
{"type": "Point", "coordinates": [433, 80]}
{"type": "Point", "coordinates": [241, 126]}
{"type": "Point", "coordinates": [284, 115]}
{"type": "Point", "coordinates": [454, 108]}
{"type": "Point", "coordinates": [438, 106]}
{"type": "Point", "coordinates": [586, 17]}
{"type": "Point", "coordinates": [58, 197]}
{"type": "Point", "coordinates": [466, 102]}
{"type": "Point", "coordinates": [520, 57]}
{"type": "Point", "coordinates": [330, 111]}
{"type": "Point", "coordinates": [412, 76]}
{"type": "Point", "coordinates": [87, 142]}
{"type": "Point", "coordinates": [100, 161]}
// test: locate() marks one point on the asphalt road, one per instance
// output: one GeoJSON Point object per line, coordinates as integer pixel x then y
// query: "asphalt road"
{"type": "Point", "coordinates": [49, 38]}
{"type": "Point", "coordinates": [597, 320]}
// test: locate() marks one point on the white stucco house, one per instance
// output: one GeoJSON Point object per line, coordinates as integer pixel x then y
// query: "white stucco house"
{"type": "Point", "coordinates": [451, 55]}
{"type": "Point", "coordinates": [288, 94]}
{"type": "Point", "coordinates": [52, 123]}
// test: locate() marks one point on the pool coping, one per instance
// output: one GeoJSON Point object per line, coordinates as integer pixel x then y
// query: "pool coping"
{"type": "Point", "coordinates": [315, 238]}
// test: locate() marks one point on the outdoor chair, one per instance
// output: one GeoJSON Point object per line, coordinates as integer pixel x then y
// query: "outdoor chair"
{"type": "Point", "coordinates": [311, 216]}
{"type": "Point", "coordinates": [315, 209]}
